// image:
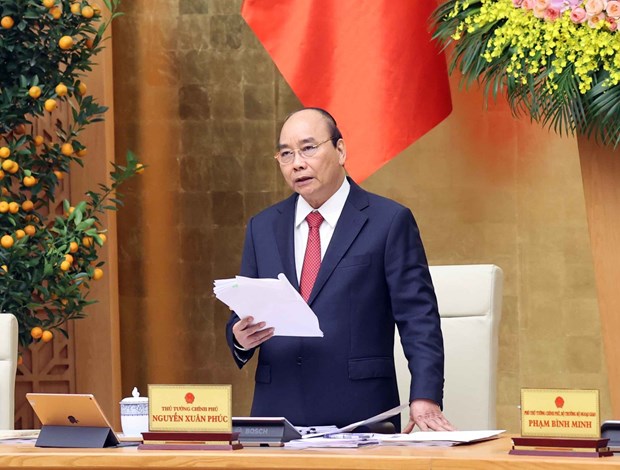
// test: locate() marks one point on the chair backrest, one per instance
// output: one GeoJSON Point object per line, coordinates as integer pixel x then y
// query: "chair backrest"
{"type": "Point", "coordinates": [470, 304]}
{"type": "Point", "coordinates": [8, 369]}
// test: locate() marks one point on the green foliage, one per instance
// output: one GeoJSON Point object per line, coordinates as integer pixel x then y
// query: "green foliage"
{"type": "Point", "coordinates": [559, 73]}
{"type": "Point", "coordinates": [48, 262]}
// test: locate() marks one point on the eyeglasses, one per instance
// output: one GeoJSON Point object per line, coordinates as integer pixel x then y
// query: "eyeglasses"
{"type": "Point", "coordinates": [286, 156]}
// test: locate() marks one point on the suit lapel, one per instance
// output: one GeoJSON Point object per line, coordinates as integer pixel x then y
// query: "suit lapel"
{"type": "Point", "coordinates": [284, 235]}
{"type": "Point", "coordinates": [351, 221]}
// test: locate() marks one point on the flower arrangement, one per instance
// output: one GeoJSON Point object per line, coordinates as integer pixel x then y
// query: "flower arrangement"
{"type": "Point", "coordinates": [48, 260]}
{"type": "Point", "coordinates": [556, 60]}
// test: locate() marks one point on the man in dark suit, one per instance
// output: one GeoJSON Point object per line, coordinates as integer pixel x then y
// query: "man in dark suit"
{"type": "Point", "coordinates": [361, 266]}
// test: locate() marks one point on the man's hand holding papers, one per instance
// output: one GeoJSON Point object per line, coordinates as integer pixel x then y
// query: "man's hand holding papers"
{"type": "Point", "coordinates": [250, 335]}
{"type": "Point", "coordinates": [274, 302]}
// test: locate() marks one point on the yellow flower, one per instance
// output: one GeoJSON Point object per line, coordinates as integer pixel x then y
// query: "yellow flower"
{"type": "Point", "coordinates": [520, 37]}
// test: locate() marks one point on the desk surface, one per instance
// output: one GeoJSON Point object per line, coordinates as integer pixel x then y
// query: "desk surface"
{"type": "Point", "coordinates": [485, 455]}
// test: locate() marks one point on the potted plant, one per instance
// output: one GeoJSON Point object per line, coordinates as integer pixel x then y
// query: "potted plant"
{"type": "Point", "coordinates": [48, 261]}
{"type": "Point", "coordinates": [556, 61]}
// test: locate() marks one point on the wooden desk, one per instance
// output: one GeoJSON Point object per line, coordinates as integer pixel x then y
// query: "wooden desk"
{"type": "Point", "coordinates": [486, 455]}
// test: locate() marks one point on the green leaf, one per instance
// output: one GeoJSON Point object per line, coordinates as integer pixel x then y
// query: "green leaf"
{"type": "Point", "coordinates": [84, 224]}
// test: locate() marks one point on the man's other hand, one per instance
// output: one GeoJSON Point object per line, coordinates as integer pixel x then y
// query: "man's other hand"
{"type": "Point", "coordinates": [428, 416]}
{"type": "Point", "coordinates": [249, 335]}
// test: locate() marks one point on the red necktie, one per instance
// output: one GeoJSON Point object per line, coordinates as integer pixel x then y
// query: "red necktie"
{"type": "Point", "coordinates": [312, 258]}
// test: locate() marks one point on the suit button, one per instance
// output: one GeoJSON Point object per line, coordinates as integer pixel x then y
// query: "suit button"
{"type": "Point", "coordinates": [298, 360]}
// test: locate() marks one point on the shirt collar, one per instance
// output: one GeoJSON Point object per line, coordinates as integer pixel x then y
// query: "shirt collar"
{"type": "Point", "coordinates": [330, 210]}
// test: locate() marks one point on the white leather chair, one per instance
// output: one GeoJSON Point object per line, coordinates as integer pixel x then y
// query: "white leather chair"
{"type": "Point", "coordinates": [470, 304]}
{"type": "Point", "coordinates": [8, 369]}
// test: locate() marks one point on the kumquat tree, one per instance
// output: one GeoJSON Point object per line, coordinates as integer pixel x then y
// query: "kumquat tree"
{"type": "Point", "coordinates": [48, 260]}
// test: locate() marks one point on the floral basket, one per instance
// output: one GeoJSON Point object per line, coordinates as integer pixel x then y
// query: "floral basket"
{"type": "Point", "coordinates": [556, 60]}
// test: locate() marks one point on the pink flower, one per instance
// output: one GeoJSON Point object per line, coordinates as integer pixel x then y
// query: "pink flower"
{"type": "Point", "coordinates": [612, 24]}
{"type": "Point", "coordinates": [517, 3]}
{"type": "Point", "coordinates": [613, 9]}
{"type": "Point", "coordinates": [552, 14]}
{"type": "Point", "coordinates": [541, 4]}
{"type": "Point", "coordinates": [528, 4]}
{"type": "Point", "coordinates": [539, 12]}
{"type": "Point", "coordinates": [578, 15]}
{"type": "Point", "coordinates": [563, 5]}
{"type": "Point", "coordinates": [595, 20]}
{"type": "Point", "coordinates": [594, 7]}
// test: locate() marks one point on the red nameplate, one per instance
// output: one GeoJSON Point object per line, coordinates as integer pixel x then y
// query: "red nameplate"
{"type": "Point", "coordinates": [560, 453]}
{"type": "Point", "coordinates": [559, 442]}
{"type": "Point", "coordinates": [190, 436]}
{"type": "Point", "coordinates": [190, 446]}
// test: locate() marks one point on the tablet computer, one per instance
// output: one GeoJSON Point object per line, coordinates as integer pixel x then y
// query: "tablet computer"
{"type": "Point", "coordinates": [71, 420]}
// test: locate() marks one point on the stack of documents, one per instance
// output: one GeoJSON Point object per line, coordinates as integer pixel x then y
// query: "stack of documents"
{"type": "Point", "coordinates": [18, 436]}
{"type": "Point", "coordinates": [274, 301]}
{"type": "Point", "coordinates": [325, 436]}
{"type": "Point", "coordinates": [437, 438]}
{"type": "Point", "coordinates": [415, 439]}
{"type": "Point", "coordinates": [317, 430]}
{"type": "Point", "coordinates": [334, 440]}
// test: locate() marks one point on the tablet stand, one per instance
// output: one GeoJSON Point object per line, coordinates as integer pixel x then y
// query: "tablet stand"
{"type": "Point", "coordinates": [73, 436]}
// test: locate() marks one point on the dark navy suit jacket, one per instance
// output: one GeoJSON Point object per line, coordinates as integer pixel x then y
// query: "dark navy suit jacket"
{"type": "Point", "coordinates": [374, 275]}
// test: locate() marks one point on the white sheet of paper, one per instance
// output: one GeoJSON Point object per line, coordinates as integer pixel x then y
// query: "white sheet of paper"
{"type": "Point", "coordinates": [375, 419]}
{"type": "Point", "coordinates": [438, 437]}
{"type": "Point", "coordinates": [274, 301]}
{"type": "Point", "coordinates": [19, 434]}
{"type": "Point", "coordinates": [350, 427]}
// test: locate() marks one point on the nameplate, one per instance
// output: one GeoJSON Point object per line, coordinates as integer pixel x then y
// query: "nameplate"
{"type": "Point", "coordinates": [560, 413]}
{"type": "Point", "coordinates": [190, 408]}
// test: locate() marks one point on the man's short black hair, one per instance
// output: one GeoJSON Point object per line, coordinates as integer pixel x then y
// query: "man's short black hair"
{"type": "Point", "coordinates": [332, 126]}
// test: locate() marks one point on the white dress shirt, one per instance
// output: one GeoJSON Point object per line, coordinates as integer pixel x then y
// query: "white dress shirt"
{"type": "Point", "coordinates": [330, 210]}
